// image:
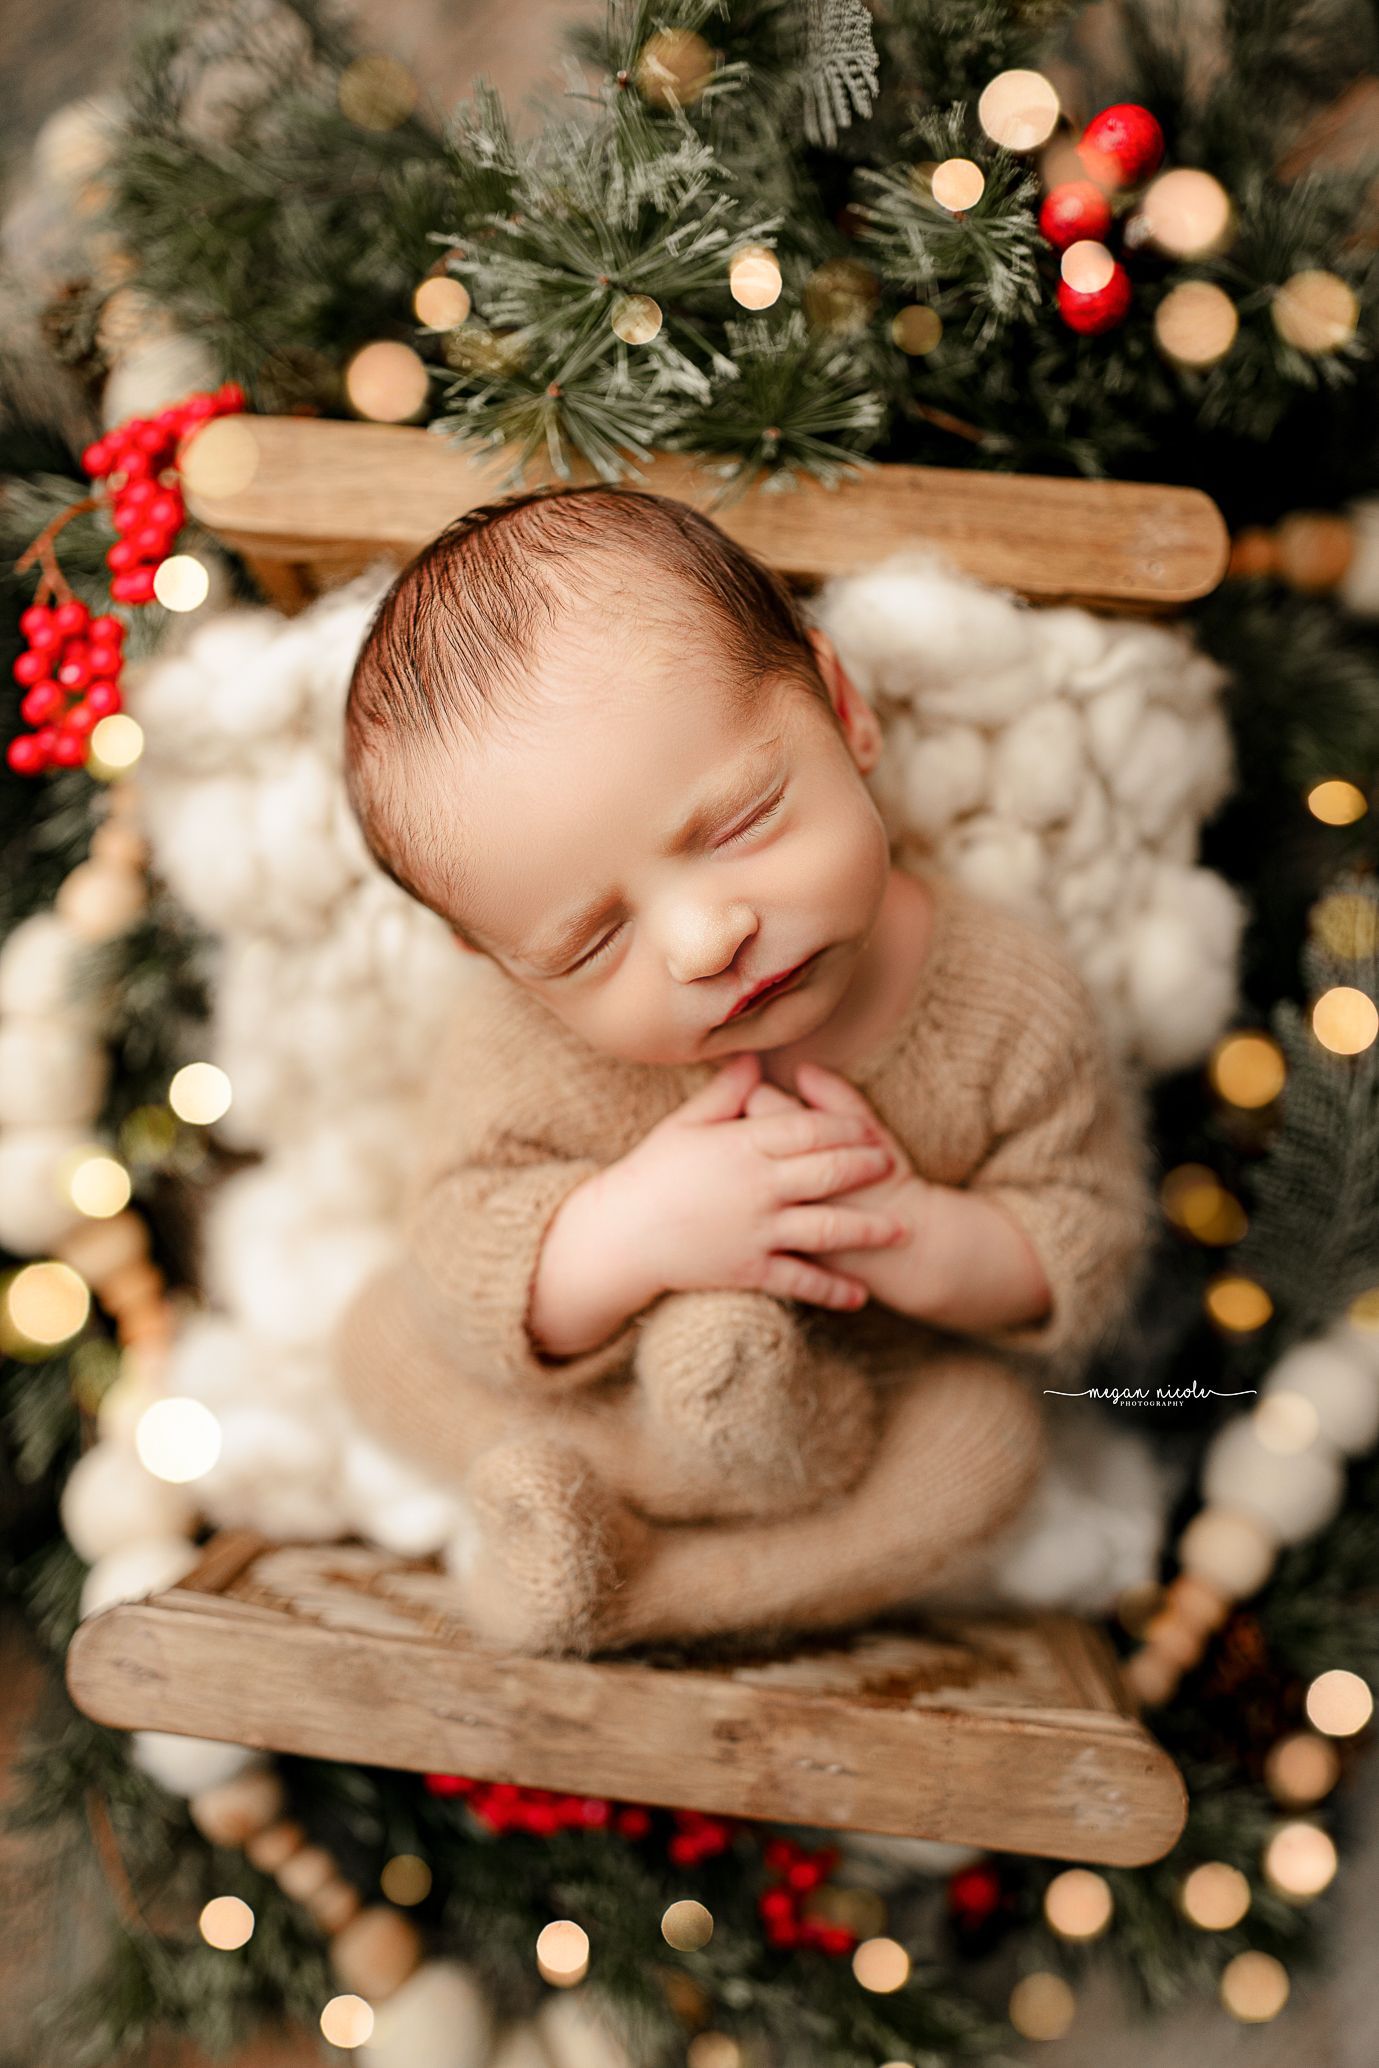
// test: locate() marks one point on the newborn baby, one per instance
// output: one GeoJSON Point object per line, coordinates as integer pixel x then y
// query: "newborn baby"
{"type": "Point", "coordinates": [653, 1200]}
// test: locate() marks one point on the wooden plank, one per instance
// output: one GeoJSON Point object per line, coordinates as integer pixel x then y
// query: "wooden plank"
{"type": "Point", "coordinates": [326, 493]}
{"type": "Point", "coordinates": [1004, 1732]}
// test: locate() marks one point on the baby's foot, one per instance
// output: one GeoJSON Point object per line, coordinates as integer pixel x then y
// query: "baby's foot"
{"type": "Point", "coordinates": [733, 1380]}
{"type": "Point", "coordinates": [546, 1545]}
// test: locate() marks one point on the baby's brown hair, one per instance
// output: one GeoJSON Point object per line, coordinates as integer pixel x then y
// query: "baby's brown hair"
{"type": "Point", "coordinates": [443, 654]}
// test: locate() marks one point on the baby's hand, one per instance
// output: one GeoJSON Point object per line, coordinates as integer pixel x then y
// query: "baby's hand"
{"type": "Point", "coordinates": [894, 1191]}
{"type": "Point", "coordinates": [717, 1197]}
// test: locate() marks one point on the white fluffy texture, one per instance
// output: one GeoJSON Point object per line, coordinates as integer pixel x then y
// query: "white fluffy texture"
{"type": "Point", "coordinates": [35, 1211]}
{"type": "Point", "coordinates": [1049, 757]}
{"type": "Point", "coordinates": [41, 974]}
{"type": "Point", "coordinates": [188, 1766]}
{"type": "Point", "coordinates": [440, 2018]}
{"type": "Point", "coordinates": [52, 1074]}
{"type": "Point", "coordinates": [1061, 763]}
{"type": "Point", "coordinates": [143, 1567]}
{"type": "Point", "coordinates": [110, 1501]}
{"type": "Point", "coordinates": [1292, 1495]}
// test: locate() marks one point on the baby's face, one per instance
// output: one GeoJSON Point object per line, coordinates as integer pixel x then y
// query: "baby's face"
{"type": "Point", "coordinates": [642, 931]}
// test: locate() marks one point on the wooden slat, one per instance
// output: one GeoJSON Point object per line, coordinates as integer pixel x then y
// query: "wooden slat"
{"type": "Point", "coordinates": [326, 495]}
{"type": "Point", "coordinates": [1007, 1732]}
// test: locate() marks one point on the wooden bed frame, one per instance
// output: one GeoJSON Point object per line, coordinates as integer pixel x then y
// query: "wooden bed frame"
{"type": "Point", "coordinates": [1008, 1732]}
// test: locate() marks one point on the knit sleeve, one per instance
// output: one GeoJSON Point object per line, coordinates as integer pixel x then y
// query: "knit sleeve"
{"type": "Point", "coordinates": [510, 1126]}
{"type": "Point", "coordinates": [474, 1238]}
{"type": "Point", "coordinates": [1069, 1166]}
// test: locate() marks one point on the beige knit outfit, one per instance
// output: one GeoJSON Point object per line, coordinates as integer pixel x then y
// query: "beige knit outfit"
{"type": "Point", "coordinates": [729, 1461]}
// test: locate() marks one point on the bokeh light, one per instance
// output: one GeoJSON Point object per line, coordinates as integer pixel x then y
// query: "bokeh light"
{"type": "Point", "coordinates": [1018, 109]}
{"type": "Point", "coordinates": [636, 319]}
{"type": "Point", "coordinates": [687, 1926]}
{"type": "Point", "coordinates": [881, 1965]}
{"type": "Point", "coordinates": [1339, 1703]}
{"type": "Point", "coordinates": [99, 1186]}
{"type": "Point", "coordinates": [1078, 1903]}
{"type": "Point", "coordinates": [1300, 1861]}
{"type": "Point", "coordinates": [442, 302]}
{"type": "Point", "coordinates": [1316, 312]}
{"type": "Point", "coordinates": [1041, 2006]}
{"type": "Point", "coordinates": [47, 1302]}
{"type": "Point", "coordinates": [1238, 1304]}
{"type": "Point", "coordinates": [958, 183]}
{"type": "Point", "coordinates": [1196, 323]}
{"type": "Point", "coordinates": [1186, 212]}
{"type": "Point", "coordinates": [181, 582]}
{"type": "Point", "coordinates": [1301, 1769]}
{"type": "Point", "coordinates": [1345, 1020]}
{"type": "Point", "coordinates": [754, 277]}
{"type": "Point", "coordinates": [200, 1093]}
{"type": "Point", "coordinates": [1247, 1069]}
{"type": "Point", "coordinates": [1337, 802]}
{"type": "Point", "coordinates": [116, 744]}
{"type": "Point", "coordinates": [226, 1923]}
{"type": "Point", "coordinates": [1086, 266]}
{"type": "Point", "coordinates": [916, 329]}
{"type": "Point", "coordinates": [405, 1880]}
{"type": "Point", "coordinates": [386, 382]}
{"type": "Point", "coordinates": [562, 1952]}
{"type": "Point", "coordinates": [177, 1439]}
{"type": "Point", "coordinates": [1286, 1423]}
{"type": "Point", "coordinates": [1195, 1200]}
{"type": "Point", "coordinates": [347, 2021]}
{"type": "Point", "coordinates": [1254, 1987]}
{"type": "Point", "coordinates": [221, 459]}
{"type": "Point", "coordinates": [1215, 1896]}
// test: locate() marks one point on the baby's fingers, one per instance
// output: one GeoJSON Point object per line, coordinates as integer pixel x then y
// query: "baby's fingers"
{"type": "Point", "coordinates": [819, 1173]}
{"type": "Point", "coordinates": [836, 1228]}
{"type": "Point", "coordinates": [791, 1278]}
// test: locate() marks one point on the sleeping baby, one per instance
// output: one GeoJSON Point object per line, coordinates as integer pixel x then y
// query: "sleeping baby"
{"type": "Point", "coordinates": [758, 1175]}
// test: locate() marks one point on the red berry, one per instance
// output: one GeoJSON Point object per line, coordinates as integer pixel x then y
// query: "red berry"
{"type": "Point", "coordinates": [1072, 210]}
{"type": "Point", "coordinates": [82, 719]}
{"type": "Point", "coordinates": [106, 627]}
{"type": "Point", "coordinates": [151, 541]}
{"type": "Point", "coordinates": [96, 458]}
{"type": "Point", "coordinates": [149, 438]}
{"type": "Point", "coordinates": [75, 673]}
{"type": "Point", "coordinates": [633, 1822]}
{"type": "Point", "coordinates": [777, 1902]}
{"type": "Point", "coordinates": [168, 510]}
{"type": "Point", "coordinates": [103, 698]}
{"type": "Point", "coordinates": [120, 556]}
{"type": "Point", "coordinates": [230, 395]}
{"type": "Point", "coordinates": [141, 585]}
{"type": "Point", "coordinates": [197, 408]}
{"type": "Point", "coordinates": [120, 586]}
{"type": "Point", "coordinates": [24, 754]}
{"type": "Point", "coordinates": [1106, 309]}
{"type": "Point", "coordinates": [46, 738]}
{"type": "Point", "coordinates": [1122, 145]}
{"type": "Point", "coordinates": [70, 749]}
{"type": "Point", "coordinates": [30, 668]}
{"type": "Point", "coordinates": [40, 703]}
{"type": "Point", "coordinates": [135, 464]}
{"type": "Point", "coordinates": [35, 622]}
{"type": "Point", "coordinates": [140, 493]}
{"type": "Point", "coordinates": [71, 618]}
{"type": "Point", "coordinates": [105, 657]}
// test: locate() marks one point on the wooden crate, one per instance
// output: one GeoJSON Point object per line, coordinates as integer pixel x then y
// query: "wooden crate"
{"type": "Point", "coordinates": [1009, 1732]}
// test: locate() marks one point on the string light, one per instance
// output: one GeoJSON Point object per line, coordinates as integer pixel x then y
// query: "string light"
{"type": "Point", "coordinates": [376, 91]}
{"type": "Point", "coordinates": [177, 1439]}
{"type": "Point", "coordinates": [687, 1926]}
{"type": "Point", "coordinates": [958, 183]}
{"type": "Point", "coordinates": [1247, 1070]}
{"type": "Point", "coordinates": [181, 582]}
{"type": "Point", "coordinates": [1316, 312]}
{"type": "Point", "coordinates": [1087, 266]}
{"type": "Point", "coordinates": [1345, 1020]}
{"type": "Point", "coordinates": [405, 1880]}
{"type": "Point", "coordinates": [1286, 1423]}
{"type": "Point", "coordinates": [562, 1953]}
{"type": "Point", "coordinates": [636, 319]}
{"type": "Point", "coordinates": [1301, 1769]}
{"type": "Point", "coordinates": [1041, 2006]}
{"type": "Point", "coordinates": [1339, 1703]}
{"type": "Point", "coordinates": [1196, 323]}
{"type": "Point", "coordinates": [1300, 1861]}
{"type": "Point", "coordinates": [1215, 1896]}
{"type": "Point", "coordinates": [200, 1093]}
{"type": "Point", "coordinates": [442, 302]}
{"type": "Point", "coordinates": [386, 382]}
{"type": "Point", "coordinates": [99, 1186]}
{"type": "Point", "coordinates": [1078, 1903]}
{"type": "Point", "coordinates": [226, 1923]}
{"type": "Point", "coordinates": [881, 1965]}
{"type": "Point", "coordinates": [47, 1303]}
{"type": "Point", "coordinates": [1195, 1200]}
{"type": "Point", "coordinates": [1186, 212]}
{"type": "Point", "coordinates": [1254, 1987]}
{"type": "Point", "coordinates": [116, 744]}
{"type": "Point", "coordinates": [1019, 109]}
{"type": "Point", "coordinates": [754, 277]}
{"type": "Point", "coordinates": [1238, 1304]}
{"type": "Point", "coordinates": [916, 329]}
{"type": "Point", "coordinates": [1337, 802]}
{"type": "Point", "coordinates": [347, 2021]}
{"type": "Point", "coordinates": [221, 459]}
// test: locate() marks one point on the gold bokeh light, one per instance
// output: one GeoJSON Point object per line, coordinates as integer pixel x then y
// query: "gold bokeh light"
{"type": "Point", "coordinates": [1196, 323]}
{"type": "Point", "coordinates": [46, 1303]}
{"type": "Point", "coordinates": [181, 582]}
{"type": "Point", "coordinates": [347, 2021]}
{"type": "Point", "coordinates": [1301, 1769]}
{"type": "Point", "coordinates": [917, 329]}
{"type": "Point", "coordinates": [1300, 1861]}
{"type": "Point", "coordinates": [442, 302]}
{"type": "Point", "coordinates": [958, 183]}
{"type": "Point", "coordinates": [636, 319]}
{"type": "Point", "coordinates": [1316, 312]}
{"type": "Point", "coordinates": [1339, 1703]}
{"type": "Point", "coordinates": [1019, 109]}
{"type": "Point", "coordinates": [754, 278]}
{"type": "Point", "coordinates": [200, 1094]}
{"type": "Point", "coordinates": [1078, 1903]}
{"type": "Point", "coordinates": [98, 1186]}
{"type": "Point", "coordinates": [1187, 212]}
{"type": "Point", "coordinates": [1086, 266]}
{"type": "Point", "coordinates": [881, 1965]}
{"type": "Point", "coordinates": [1215, 1896]}
{"type": "Point", "coordinates": [221, 459]}
{"type": "Point", "coordinates": [1337, 802]}
{"type": "Point", "coordinates": [562, 1952]}
{"type": "Point", "coordinates": [226, 1923]}
{"type": "Point", "coordinates": [1254, 1987]}
{"type": "Point", "coordinates": [1345, 1020]}
{"type": "Point", "coordinates": [1041, 2006]}
{"type": "Point", "coordinates": [1238, 1304]}
{"type": "Point", "coordinates": [116, 744]}
{"type": "Point", "coordinates": [386, 382]}
{"type": "Point", "coordinates": [405, 1880]}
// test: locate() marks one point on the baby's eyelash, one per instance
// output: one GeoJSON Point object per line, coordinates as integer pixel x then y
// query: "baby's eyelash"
{"type": "Point", "coordinates": [768, 811]}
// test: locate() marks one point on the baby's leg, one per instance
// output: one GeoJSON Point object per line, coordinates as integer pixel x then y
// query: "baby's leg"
{"type": "Point", "coordinates": [961, 1449]}
{"type": "Point", "coordinates": [761, 1418]}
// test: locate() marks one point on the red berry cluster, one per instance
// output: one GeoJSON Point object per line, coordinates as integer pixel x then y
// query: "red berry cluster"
{"type": "Point", "coordinates": [70, 669]}
{"type": "Point", "coordinates": [540, 1812]}
{"type": "Point", "coordinates": [1120, 148]}
{"type": "Point", "coordinates": [782, 1909]}
{"type": "Point", "coordinates": [148, 513]}
{"type": "Point", "coordinates": [69, 675]}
